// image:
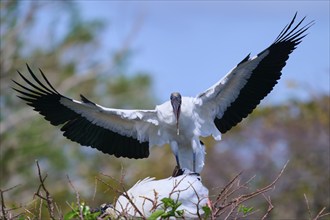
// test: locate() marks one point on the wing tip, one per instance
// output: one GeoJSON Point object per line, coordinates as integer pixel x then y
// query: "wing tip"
{"type": "Point", "coordinates": [290, 33]}
{"type": "Point", "coordinates": [244, 60]}
{"type": "Point", "coordinates": [85, 100]}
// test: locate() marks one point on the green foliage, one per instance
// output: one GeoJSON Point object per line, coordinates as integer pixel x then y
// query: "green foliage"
{"type": "Point", "coordinates": [81, 211]}
{"type": "Point", "coordinates": [207, 211]}
{"type": "Point", "coordinates": [244, 209]}
{"type": "Point", "coordinates": [169, 210]}
{"type": "Point", "coordinates": [156, 214]}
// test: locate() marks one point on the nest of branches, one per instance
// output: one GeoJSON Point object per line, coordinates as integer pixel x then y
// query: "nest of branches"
{"type": "Point", "coordinates": [229, 203]}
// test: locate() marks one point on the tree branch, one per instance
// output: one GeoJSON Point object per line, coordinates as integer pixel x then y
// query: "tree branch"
{"type": "Point", "coordinates": [220, 206]}
{"type": "Point", "coordinates": [48, 198]}
{"type": "Point", "coordinates": [81, 216]}
{"type": "Point", "coordinates": [4, 210]}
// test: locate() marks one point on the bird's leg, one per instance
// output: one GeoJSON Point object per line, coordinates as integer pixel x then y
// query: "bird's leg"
{"type": "Point", "coordinates": [177, 161]}
{"type": "Point", "coordinates": [195, 150]}
{"type": "Point", "coordinates": [194, 162]}
{"type": "Point", "coordinates": [177, 171]}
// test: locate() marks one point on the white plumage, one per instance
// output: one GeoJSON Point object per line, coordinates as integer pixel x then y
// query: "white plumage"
{"type": "Point", "coordinates": [179, 122]}
{"type": "Point", "coordinates": [147, 194]}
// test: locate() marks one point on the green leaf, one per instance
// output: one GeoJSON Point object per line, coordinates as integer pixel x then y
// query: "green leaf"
{"type": "Point", "coordinates": [85, 212]}
{"type": "Point", "coordinates": [85, 209]}
{"type": "Point", "coordinates": [70, 215]}
{"type": "Point", "coordinates": [168, 202]}
{"type": "Point", "coordinates": [179, 213]}
{"type": "Point", "coordinates": [21, 217]}
{"type": "Point", "coordinates": [244, 209]}
{"type": "Point", "coordinates": [156, 214]}
{"type": "Point", "coordinates": [207, 211]}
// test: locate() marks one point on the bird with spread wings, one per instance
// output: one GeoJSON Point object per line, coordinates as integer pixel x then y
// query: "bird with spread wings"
{"type": "Point", "coordinates": [179, 122]}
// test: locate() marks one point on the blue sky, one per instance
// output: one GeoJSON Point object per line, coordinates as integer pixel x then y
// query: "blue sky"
{"type": "Point", "coordinates": [188, 46]}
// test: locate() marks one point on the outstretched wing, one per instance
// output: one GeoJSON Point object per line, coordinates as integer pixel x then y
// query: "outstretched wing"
{"type": "Point", "coordinates": [241, 90]}
{"type": "Point", "coordinates": [123, 133]}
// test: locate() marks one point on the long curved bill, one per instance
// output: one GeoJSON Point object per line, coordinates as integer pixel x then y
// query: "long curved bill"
{"type": "Point", "coordinates": [176, 104]}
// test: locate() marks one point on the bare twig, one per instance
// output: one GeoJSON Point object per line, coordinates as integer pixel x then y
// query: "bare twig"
{"type": "Point", "coordinates": [226, 189]}
{"type": "Point", "coordinates": [325, 214]}
{"type": "Point", "coordinates": [308, 208]}
{"type": "Point", "coordinates": [125, 194]}
{"type": "Point", "coordinates": [118, 192]}
{"type": "Point", "coordinates": [153, 201]}
{"type": "Point", "coordinates": [230, 212]}
{"type": "Point", "coordinates": [40, 208]}
{"type": "Point", "coordinates": [268, 187]}
{"type": "Point", "coordinates": [81, 216]}
{"type": "Point", "coordinates": [239, 187]}
{"type": "Point", "coordinates": [270, 207]}
{"type": "Point", "coordinates": [319, 214]}
{"type": "Point", "coordinates": [48, 198]}
{"type": "Point", "coordinates": [28, 211]}
{"type": "Point", "coordinates": [176, 185]}
{"type": "Point", "coordinates": [122, 192]}
{"type": "Point", "coordinates": [3, 206]}
{"type": "Point", "coordinates": [122, 174]}
{"type": "Point", "coordinates": [4, 210]}
{"type": "Point", "coordinates": [221, 205]}
{"type": "Point", "coordinates": [199, 200]}
{"type": "Point", "coordinates": [95, 189]}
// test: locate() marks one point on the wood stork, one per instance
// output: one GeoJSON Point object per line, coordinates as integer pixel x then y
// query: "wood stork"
{"type": "Point", "coordinates": [181, 121]}
{"type": "Point", "coordinates": [147, 194]}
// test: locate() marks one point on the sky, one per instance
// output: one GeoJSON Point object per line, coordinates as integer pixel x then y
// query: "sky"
{"type": "Point", "coordinates": [187, 46]}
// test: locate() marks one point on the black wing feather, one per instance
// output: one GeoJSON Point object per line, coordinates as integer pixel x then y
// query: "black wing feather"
{"type": "Point", "coordinates": [264, 77]}
{"type": "Point", "coordinates": [46, 101]}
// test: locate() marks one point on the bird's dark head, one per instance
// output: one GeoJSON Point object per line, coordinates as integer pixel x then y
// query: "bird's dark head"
{"type": "Point", "coordinates": [176, 105]}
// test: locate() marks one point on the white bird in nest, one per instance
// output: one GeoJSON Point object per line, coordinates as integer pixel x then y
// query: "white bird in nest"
{"type": "Point", "coordinates": [179, 122]}
{"type": "Point", "coordinates": [147, 194]}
